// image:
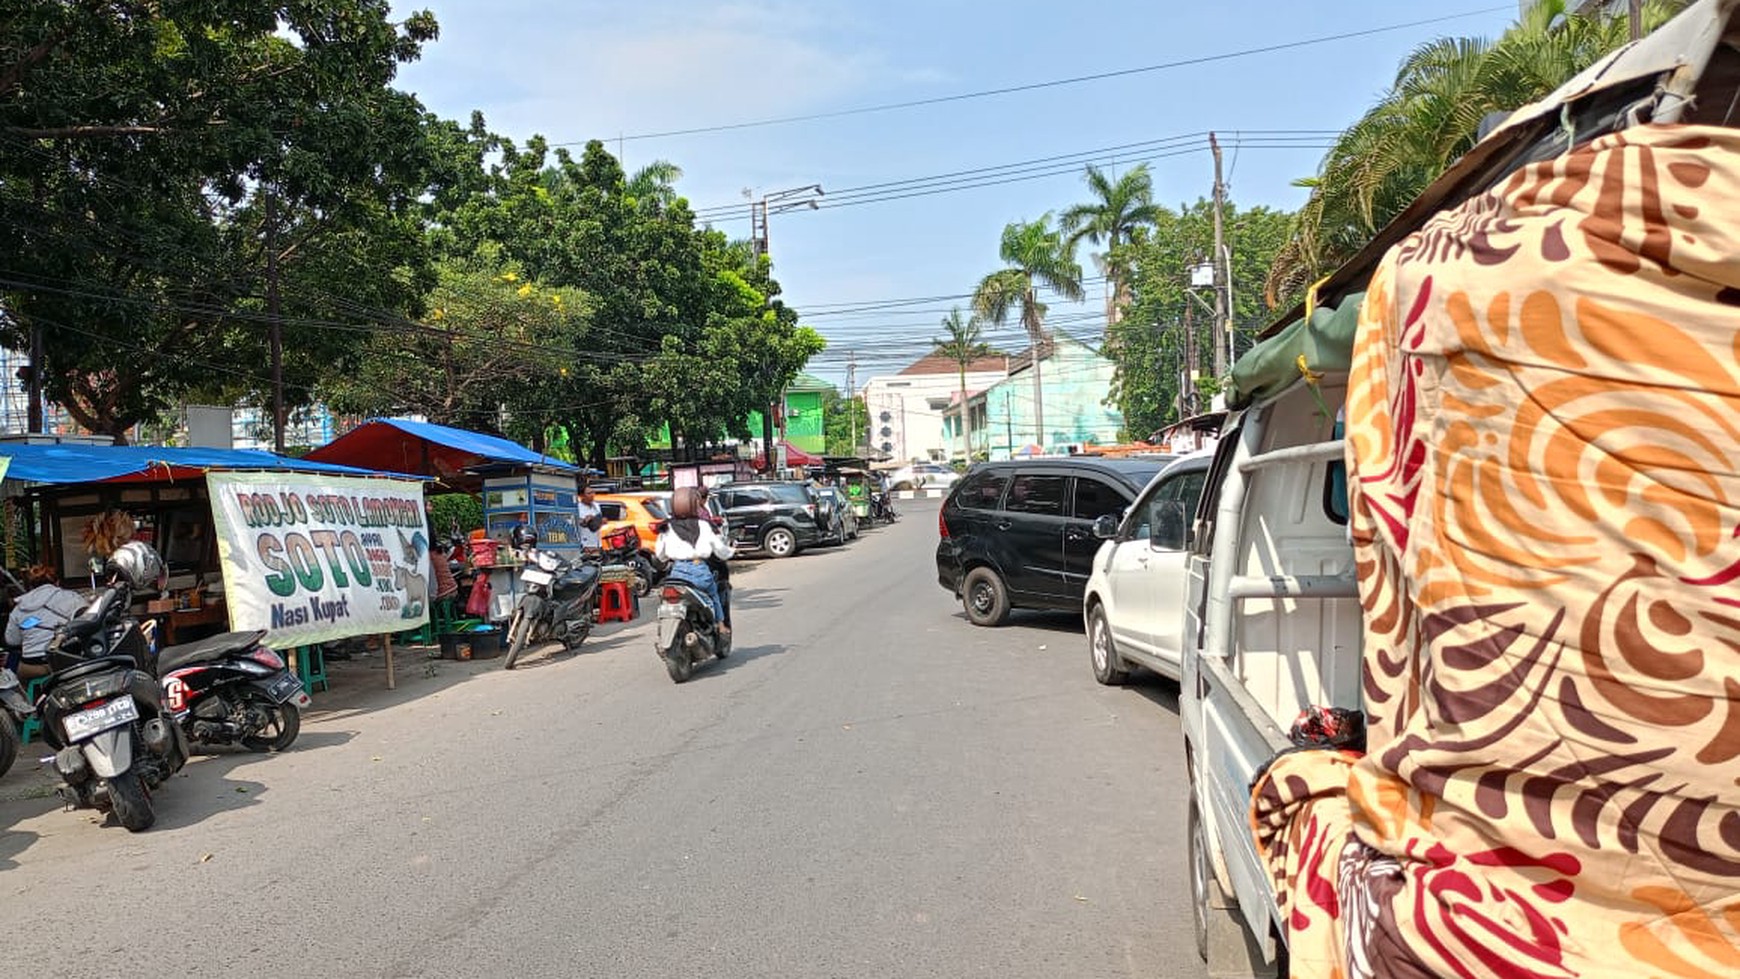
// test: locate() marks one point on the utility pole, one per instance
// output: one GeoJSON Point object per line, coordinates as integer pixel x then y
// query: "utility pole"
{"type": "Point", "coordinates": [852, 397]}
{"type": "Point", "coordinates": [1187, 390]}
{"type": "Point", "coordinates": [1222, 319]}
{"type": "Point", "coordinates": [277, 325]}
{"type": "Point", "coordinates": [780, 201]}
{"type": "Point", "coordinates": [1635, 13]}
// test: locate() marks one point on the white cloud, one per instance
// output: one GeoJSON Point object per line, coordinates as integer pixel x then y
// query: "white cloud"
{"type": "Point", "coordinates": [649, 67]}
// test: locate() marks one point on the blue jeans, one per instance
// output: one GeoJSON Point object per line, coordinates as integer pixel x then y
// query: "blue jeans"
{"type": "Point", "coordinates": [697, 574]}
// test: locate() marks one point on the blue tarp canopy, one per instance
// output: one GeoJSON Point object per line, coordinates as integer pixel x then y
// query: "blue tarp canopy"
{"type": "Point", "coordinates": [144, 463]}
{"type": "Point", "coordinates": [430, 450]}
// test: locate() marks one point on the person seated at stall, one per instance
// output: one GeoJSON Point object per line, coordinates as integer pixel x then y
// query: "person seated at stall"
{"type": "Point", "coordinates": [691, 545]}
{"type": "Point", "coordinates": [34, 618]}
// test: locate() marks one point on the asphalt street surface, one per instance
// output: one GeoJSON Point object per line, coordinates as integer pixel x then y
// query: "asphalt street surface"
{"type": "Point", "coordinates": [869, 787]}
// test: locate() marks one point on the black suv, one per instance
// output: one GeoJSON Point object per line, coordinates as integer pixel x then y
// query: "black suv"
{"type": "Point", "coordinates": [1021, 534]}
{"type": "Point", "coordinates": [778, 518]}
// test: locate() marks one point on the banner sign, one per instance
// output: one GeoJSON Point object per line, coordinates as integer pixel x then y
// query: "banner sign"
{"type": "Point", "coordinates": [312, 558]}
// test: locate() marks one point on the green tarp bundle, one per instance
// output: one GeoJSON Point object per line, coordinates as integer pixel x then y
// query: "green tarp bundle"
{"type": "Point", "coordinates": [1324, 339]}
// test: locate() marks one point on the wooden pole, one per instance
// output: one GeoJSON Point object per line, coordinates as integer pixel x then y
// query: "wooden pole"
{"type": "Point", "coordinates": [392, 677]}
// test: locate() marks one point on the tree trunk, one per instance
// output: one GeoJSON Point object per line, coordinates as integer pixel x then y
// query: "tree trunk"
{"type": "Point", "coordinates": [1036, 331]}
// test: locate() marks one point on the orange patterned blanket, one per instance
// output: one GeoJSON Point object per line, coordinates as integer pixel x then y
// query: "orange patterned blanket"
{"type": "Point", "coordinates": [1544, 454]}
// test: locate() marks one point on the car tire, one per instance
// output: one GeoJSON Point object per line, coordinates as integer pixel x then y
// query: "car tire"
{"type": "Point", "coordinates": [779, 542]}
{"type": "Point", "coordinates": [1108, 667]}
{"type": "Point", "coordinates": [1200, 874]}
{"type": "Point", "coordinates": [985, 598]}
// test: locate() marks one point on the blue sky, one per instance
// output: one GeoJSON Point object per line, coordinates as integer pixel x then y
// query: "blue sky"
{"type": "Point", "coordinates": [584, 69]}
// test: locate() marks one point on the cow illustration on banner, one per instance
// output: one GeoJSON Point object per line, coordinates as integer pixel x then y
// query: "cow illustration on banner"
{"type": "Point", "coordinates": [312, 558]}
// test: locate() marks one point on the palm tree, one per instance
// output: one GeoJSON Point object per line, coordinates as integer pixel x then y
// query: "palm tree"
{"type": "Point", "coordinates": [655, 183]}
{"type": "Point", "coordinates": [963, 345]}
{"type": "Point", "coordinates": [1118, 208]}
{"type": "Point", "coordinates": [1037, 256]}
{"type": "Point", "coordinates": [1430, 117]}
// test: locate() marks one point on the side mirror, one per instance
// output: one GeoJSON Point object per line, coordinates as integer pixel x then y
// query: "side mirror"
{"type": "Point", "coordinates": [1105, 526]}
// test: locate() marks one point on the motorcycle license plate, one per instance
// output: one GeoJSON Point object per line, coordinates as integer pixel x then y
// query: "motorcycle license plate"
{"type": "Point", "coordinates": [532, 576]}
{"type": "Point", "coordinates": [115, 713]}
{"type": "Point", "coordinates": [284, 688]}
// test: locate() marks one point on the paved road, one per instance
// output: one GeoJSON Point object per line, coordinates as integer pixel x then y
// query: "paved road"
{"type": "Point", "coordinates": [870, 787]}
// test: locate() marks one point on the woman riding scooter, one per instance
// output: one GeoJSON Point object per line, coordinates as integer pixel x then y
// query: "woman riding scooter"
{"type": "Point", "coordinates": [691, 545]}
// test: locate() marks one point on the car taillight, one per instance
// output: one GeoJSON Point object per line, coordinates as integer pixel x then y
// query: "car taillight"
{"type": "Point", "coordinates": [672, 595]}
{"type": "Point", "coordinates": [267, 658]}
{"type": "Point", "coordinates": [942, 526]}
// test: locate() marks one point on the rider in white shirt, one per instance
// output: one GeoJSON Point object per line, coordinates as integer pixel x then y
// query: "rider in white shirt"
{"type": "Point", "coordinates": [688, 542]}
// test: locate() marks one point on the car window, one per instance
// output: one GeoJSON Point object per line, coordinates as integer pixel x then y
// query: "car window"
{"type": "Point", "coordinates": [982, 491]}
{"type": "Point", "coordinates": [750, 497]}
{"type": "Point", "coordinates": [612, 511]}
{"type": "Point", "coordinates": [654, 510]}
{"type": "Point", "coordinates": [792, 493]}
{"type": "Point", "coordinates": [1095, 498]}
{"type": "Point", "coordinates": [1037, 494]}
{"type": "Point", "coordinates": [1168, 506]}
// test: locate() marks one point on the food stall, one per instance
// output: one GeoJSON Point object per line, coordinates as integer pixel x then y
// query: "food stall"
{"type": "Point", "coordinates": [205, 512]}
{"type": "Point", "coordinates": [516, 484]}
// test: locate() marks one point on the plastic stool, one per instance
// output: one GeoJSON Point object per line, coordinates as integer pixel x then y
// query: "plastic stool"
{"type": "Point", "coordinates": [615, 602]}
{"type": "Point", "coordinates": [33, 723]}
{"type": "Point", "coordinates": [311, 667]}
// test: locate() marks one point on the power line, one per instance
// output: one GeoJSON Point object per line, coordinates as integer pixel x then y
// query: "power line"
{"type": "Point", "coordinates": [1054, 83]}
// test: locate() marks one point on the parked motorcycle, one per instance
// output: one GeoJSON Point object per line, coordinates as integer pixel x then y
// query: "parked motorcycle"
{"type": "Point", "coordinates": [882, 507]}
{"type": "Point", "coordinates": [102, 709]}
{"type": "Point", "coordinates": [688, 630]}
{"type": "Point", "coordinates": [623, 547]}
{"type": "Point", "coordinates": [556, 602]}
{"type": "Point", "coordinates": [229, 689]}
{"type": "Point", "coordinates": [15, 709]}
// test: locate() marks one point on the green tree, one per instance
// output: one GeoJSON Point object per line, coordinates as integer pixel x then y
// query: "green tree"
{"type": "Point", "coordinates": [486, 334]}
{"type": "Point", "coordinates": [1118, 210]}
{"type": "Point", "coordinates": [1036, 256]}
{"type": "Point", "coordinates": [157, 160]}
{"type": "Point", "coordinates": [1167, 319]}
{"type": "Point", "coordinates": [846, 423]}
{"type": "Point", "coordinates": [1430, 117]}
{"type": "Point", "coordinates": [655, 184]}
{"type": "Point", "coordinates": [963, 343]}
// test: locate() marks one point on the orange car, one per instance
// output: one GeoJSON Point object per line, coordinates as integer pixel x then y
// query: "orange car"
{"type": "Point", "coordinates": [638, 510]}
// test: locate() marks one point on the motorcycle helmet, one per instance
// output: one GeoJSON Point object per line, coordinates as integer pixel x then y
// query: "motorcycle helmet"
{"type": "Point", "coordinates": [523, 537]}
{"type": "Point", "coordinates": [137, 563]}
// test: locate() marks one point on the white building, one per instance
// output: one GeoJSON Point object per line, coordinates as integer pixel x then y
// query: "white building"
{"type": "Point", "coordinates": [906, 409]}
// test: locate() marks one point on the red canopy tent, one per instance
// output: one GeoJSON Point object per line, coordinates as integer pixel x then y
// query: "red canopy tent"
{"type": "Point", "coordinates": [794, 456]}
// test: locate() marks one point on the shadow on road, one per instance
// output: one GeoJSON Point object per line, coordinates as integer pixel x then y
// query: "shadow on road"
{"type": "Point", "coordinates": [1153, 686]}
{"type": "Point", "coordinates": [754, 598]}
{"type": "Point", "coordinates": [1049, 621]}
{"type": "Point", "coordinates": [738, 658]}
{"type": "Point", "coordinates": [12, 843]}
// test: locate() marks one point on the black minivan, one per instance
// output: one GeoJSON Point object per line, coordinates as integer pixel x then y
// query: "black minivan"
{"type": "Point", "coordinates": [1021, 534]}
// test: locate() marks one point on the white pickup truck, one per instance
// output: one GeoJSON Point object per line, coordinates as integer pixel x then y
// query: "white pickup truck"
{"type": "Point", "coordinates": [1480, 511]}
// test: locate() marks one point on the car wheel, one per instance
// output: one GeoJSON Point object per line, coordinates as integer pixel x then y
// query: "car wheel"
{"type": "Point", "coordinates": [985, 598]}
{"type": "Point", "coordinates": [1200, 876]}
{"type": "Point", "coordinates": [779, 542]}
{"type": "Point", "coordinates": [1108, 667]}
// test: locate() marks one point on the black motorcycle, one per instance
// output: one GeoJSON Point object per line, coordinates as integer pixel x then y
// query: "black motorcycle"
{"type": "Point", "coordinates": [103, 714]}
{"type": "Point", "coordinates": [688, 630]}
{"type": "Point", "coordinates": [556, 603]}
{"type": "Point", "coordinates": [882, 507]}
{"type": "Point", "coordinates": [229, 689]}
{"type": "Point", "coordinates": [15, 710]}
{"type": "Point", "coordinates": [624, 548]}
